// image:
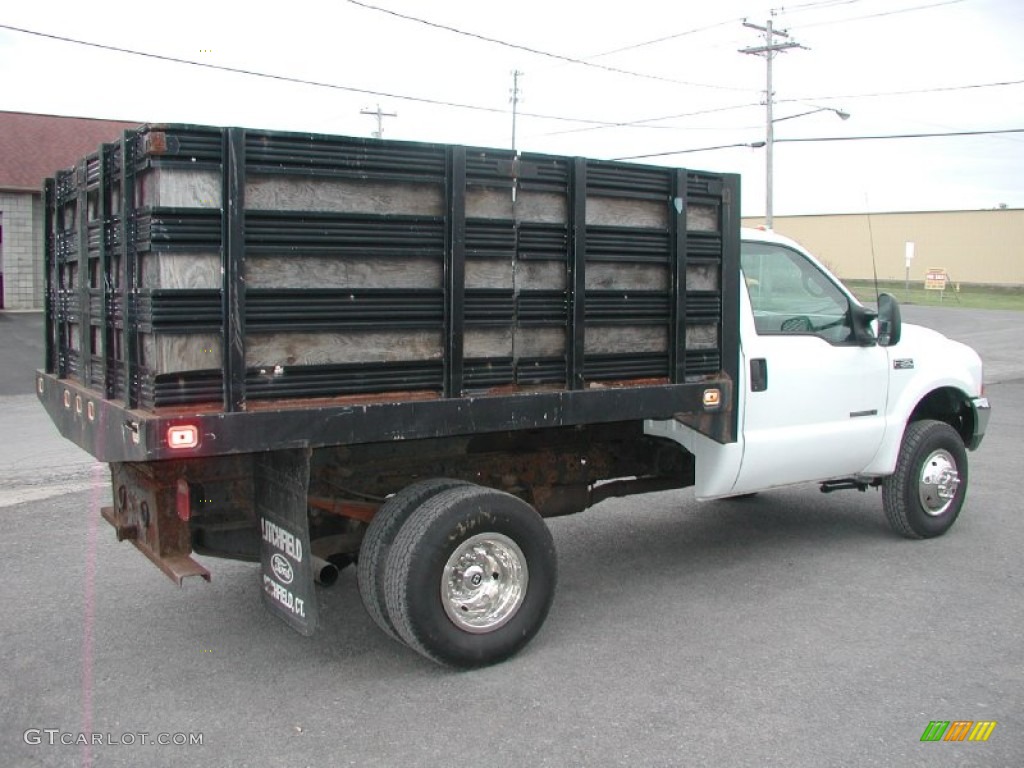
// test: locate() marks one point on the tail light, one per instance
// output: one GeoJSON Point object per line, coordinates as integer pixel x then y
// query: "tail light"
{"type": "Point", "coordinates": [183, 436]}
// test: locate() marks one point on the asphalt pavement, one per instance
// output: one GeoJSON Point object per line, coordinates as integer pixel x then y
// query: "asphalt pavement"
{"type": "Point", "coordinates": [22, 351]}
{"type": "Point", "coordinates": [790, 629]}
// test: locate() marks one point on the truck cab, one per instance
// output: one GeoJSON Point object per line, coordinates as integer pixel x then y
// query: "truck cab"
{"type": "Point", "coordinates": [829, 390]}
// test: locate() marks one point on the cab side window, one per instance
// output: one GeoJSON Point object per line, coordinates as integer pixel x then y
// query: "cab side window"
{"type": "Point", "coordinates": [789, 294]}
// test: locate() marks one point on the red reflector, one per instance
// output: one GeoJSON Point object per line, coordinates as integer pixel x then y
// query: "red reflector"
{"type": "Point", "coordinates": [183, 503]}
{"type": "Point", "coordinates": [183, 436]}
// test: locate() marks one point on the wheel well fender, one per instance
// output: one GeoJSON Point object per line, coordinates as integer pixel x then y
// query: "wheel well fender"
{"type": "Point", "coordinates": [946, 404]}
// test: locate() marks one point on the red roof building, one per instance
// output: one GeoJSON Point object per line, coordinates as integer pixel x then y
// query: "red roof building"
{"type": "Point", "coordinates": [32, 148]}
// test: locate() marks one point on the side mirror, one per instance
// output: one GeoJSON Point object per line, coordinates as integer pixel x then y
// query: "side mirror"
{"type": "Point", "coordinates": [890, 321]}
{"type": "Point", "coordinates": [860, 318]}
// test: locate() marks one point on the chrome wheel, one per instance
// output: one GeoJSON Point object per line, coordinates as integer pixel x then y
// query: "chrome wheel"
{"type": "Point", "coordinates": [471, 577]}
{"type": "Point", "coordinates": [484, 582]}
{"type": "Point", "coordinates": [938, 482]}
{"type": "Point", "coordinates": [924, 495]}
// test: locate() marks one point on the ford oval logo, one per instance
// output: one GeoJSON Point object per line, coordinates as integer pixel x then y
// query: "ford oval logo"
{"type": "Point", "coordinates": [282, 569]}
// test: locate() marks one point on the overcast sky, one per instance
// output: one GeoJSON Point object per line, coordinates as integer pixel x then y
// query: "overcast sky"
{"type": "Point", "coordinates": [896, 66]}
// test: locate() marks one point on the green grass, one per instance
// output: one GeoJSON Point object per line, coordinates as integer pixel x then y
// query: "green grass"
{"type": "Point", "coordinates": [968, 297]}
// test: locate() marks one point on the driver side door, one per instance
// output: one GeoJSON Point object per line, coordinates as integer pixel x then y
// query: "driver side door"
{"type": "Point", "coordinates": [815, 398]}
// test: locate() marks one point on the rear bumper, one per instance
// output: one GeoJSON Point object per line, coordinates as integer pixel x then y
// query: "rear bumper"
{"type": "Point", "coordinates": [981, 409]}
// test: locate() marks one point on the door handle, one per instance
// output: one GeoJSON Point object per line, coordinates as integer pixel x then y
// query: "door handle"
{"type": "Point", "coordinates": [758, 374]}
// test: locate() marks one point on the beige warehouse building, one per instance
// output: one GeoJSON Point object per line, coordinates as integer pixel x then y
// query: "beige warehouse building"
{"type": "Point", "coordinates": [974, 247]}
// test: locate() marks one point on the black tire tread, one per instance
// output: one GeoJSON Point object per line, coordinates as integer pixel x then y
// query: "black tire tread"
{"type": "Point", "coordinates": [895, 487]}
{"type": "Point", "coordinates": [378, 539]}
{"type": "Point", "coordinates": [406, 556]}
{"type": "Point", "coordinates": [396, 575]}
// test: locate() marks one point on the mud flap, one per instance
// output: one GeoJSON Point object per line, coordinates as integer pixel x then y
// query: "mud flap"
{"type": "Point", "coordinates": [281, 481]}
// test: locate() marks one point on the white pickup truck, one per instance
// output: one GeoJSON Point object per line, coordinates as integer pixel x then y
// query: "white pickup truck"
{"type": "Point", "coordinates": [308, 351]}
{"type": "Point", "coordinates": [832, 394]}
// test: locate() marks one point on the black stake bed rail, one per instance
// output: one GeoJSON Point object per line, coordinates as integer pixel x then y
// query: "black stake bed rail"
{"type": "Point", "coordinates": [278, 289]}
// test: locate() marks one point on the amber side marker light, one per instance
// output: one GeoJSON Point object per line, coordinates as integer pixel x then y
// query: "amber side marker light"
{"type": "Point", "coordinates": [712, 398]}
{"type": "Point", "coordinates": [183, 436]}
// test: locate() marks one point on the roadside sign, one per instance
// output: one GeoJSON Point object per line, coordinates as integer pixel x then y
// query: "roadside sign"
{"type": "Point", "coordinates": [935, 280]}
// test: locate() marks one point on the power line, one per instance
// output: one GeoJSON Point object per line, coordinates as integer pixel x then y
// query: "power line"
{"type": "Point", "coordinates": [760, 144]}
{"type": "Point", "coordinates": [804, 7]}
{"type": "Point", "coordinates": [663, 39]}
{"type": "Point", "coordinates": [643, 123]}
{"type": "Point", "coordinates": [880, 14]}
{"type": "Point", "coordinates": [750, 145]}
{"type": "Point", "coordinates": [937, 89]}
{"type": "Point", "coordinates": [298, 80]}
{"type": "Point", "coordinates": [250, 72]}
{"type": "Point", "coordinates": [906, 135]}
{"type": "Point", "coordinates": [538, 52]}
{"type": "Point", "coordinates": [594, 123]}
{"type": "Point", "coordinates": [789, 10]}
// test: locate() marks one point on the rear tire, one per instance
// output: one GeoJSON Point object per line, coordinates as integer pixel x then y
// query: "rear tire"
{"type": "Point", "coordinates": [923, 497]}
{"type": "Point", "coordinates": [470, 577]}
{"type": "Point", "coordinates": [379, 536]}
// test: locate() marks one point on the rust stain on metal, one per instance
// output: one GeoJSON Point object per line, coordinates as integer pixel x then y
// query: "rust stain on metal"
{"type": "Point", "coordinates": [362, 511]}
{"type": "Point", "coordinates": [124, 532]}
{"type": "Point", "coordinates": [627, 383]}
{"type": "Point", "coordinates": [301, 403]}
{"type": "Point", "coordinates": [156, 143]}
{"type": "Point", "coordinates": [145, 513]}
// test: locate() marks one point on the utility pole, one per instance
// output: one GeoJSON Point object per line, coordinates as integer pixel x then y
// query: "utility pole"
{"type": "Point", "coordinates": [768, 50]}
{"type": "Point", "coordinates": [379, 133]}
{"type": "Point", "coordinates": [514, 98]}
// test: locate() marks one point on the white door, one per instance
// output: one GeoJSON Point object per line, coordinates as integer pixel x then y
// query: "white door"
{"type": "Point", "coordinates": [815, 398]}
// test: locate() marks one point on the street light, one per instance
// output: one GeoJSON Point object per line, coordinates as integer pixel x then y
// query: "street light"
{"type": "Point", "coordinates": [770, 146]}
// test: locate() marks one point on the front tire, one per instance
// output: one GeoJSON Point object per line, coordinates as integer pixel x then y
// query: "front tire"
{"type": "Point", "coordinates": [923, 497]}
{"type": "Point", "coordinates": [470, 577]}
